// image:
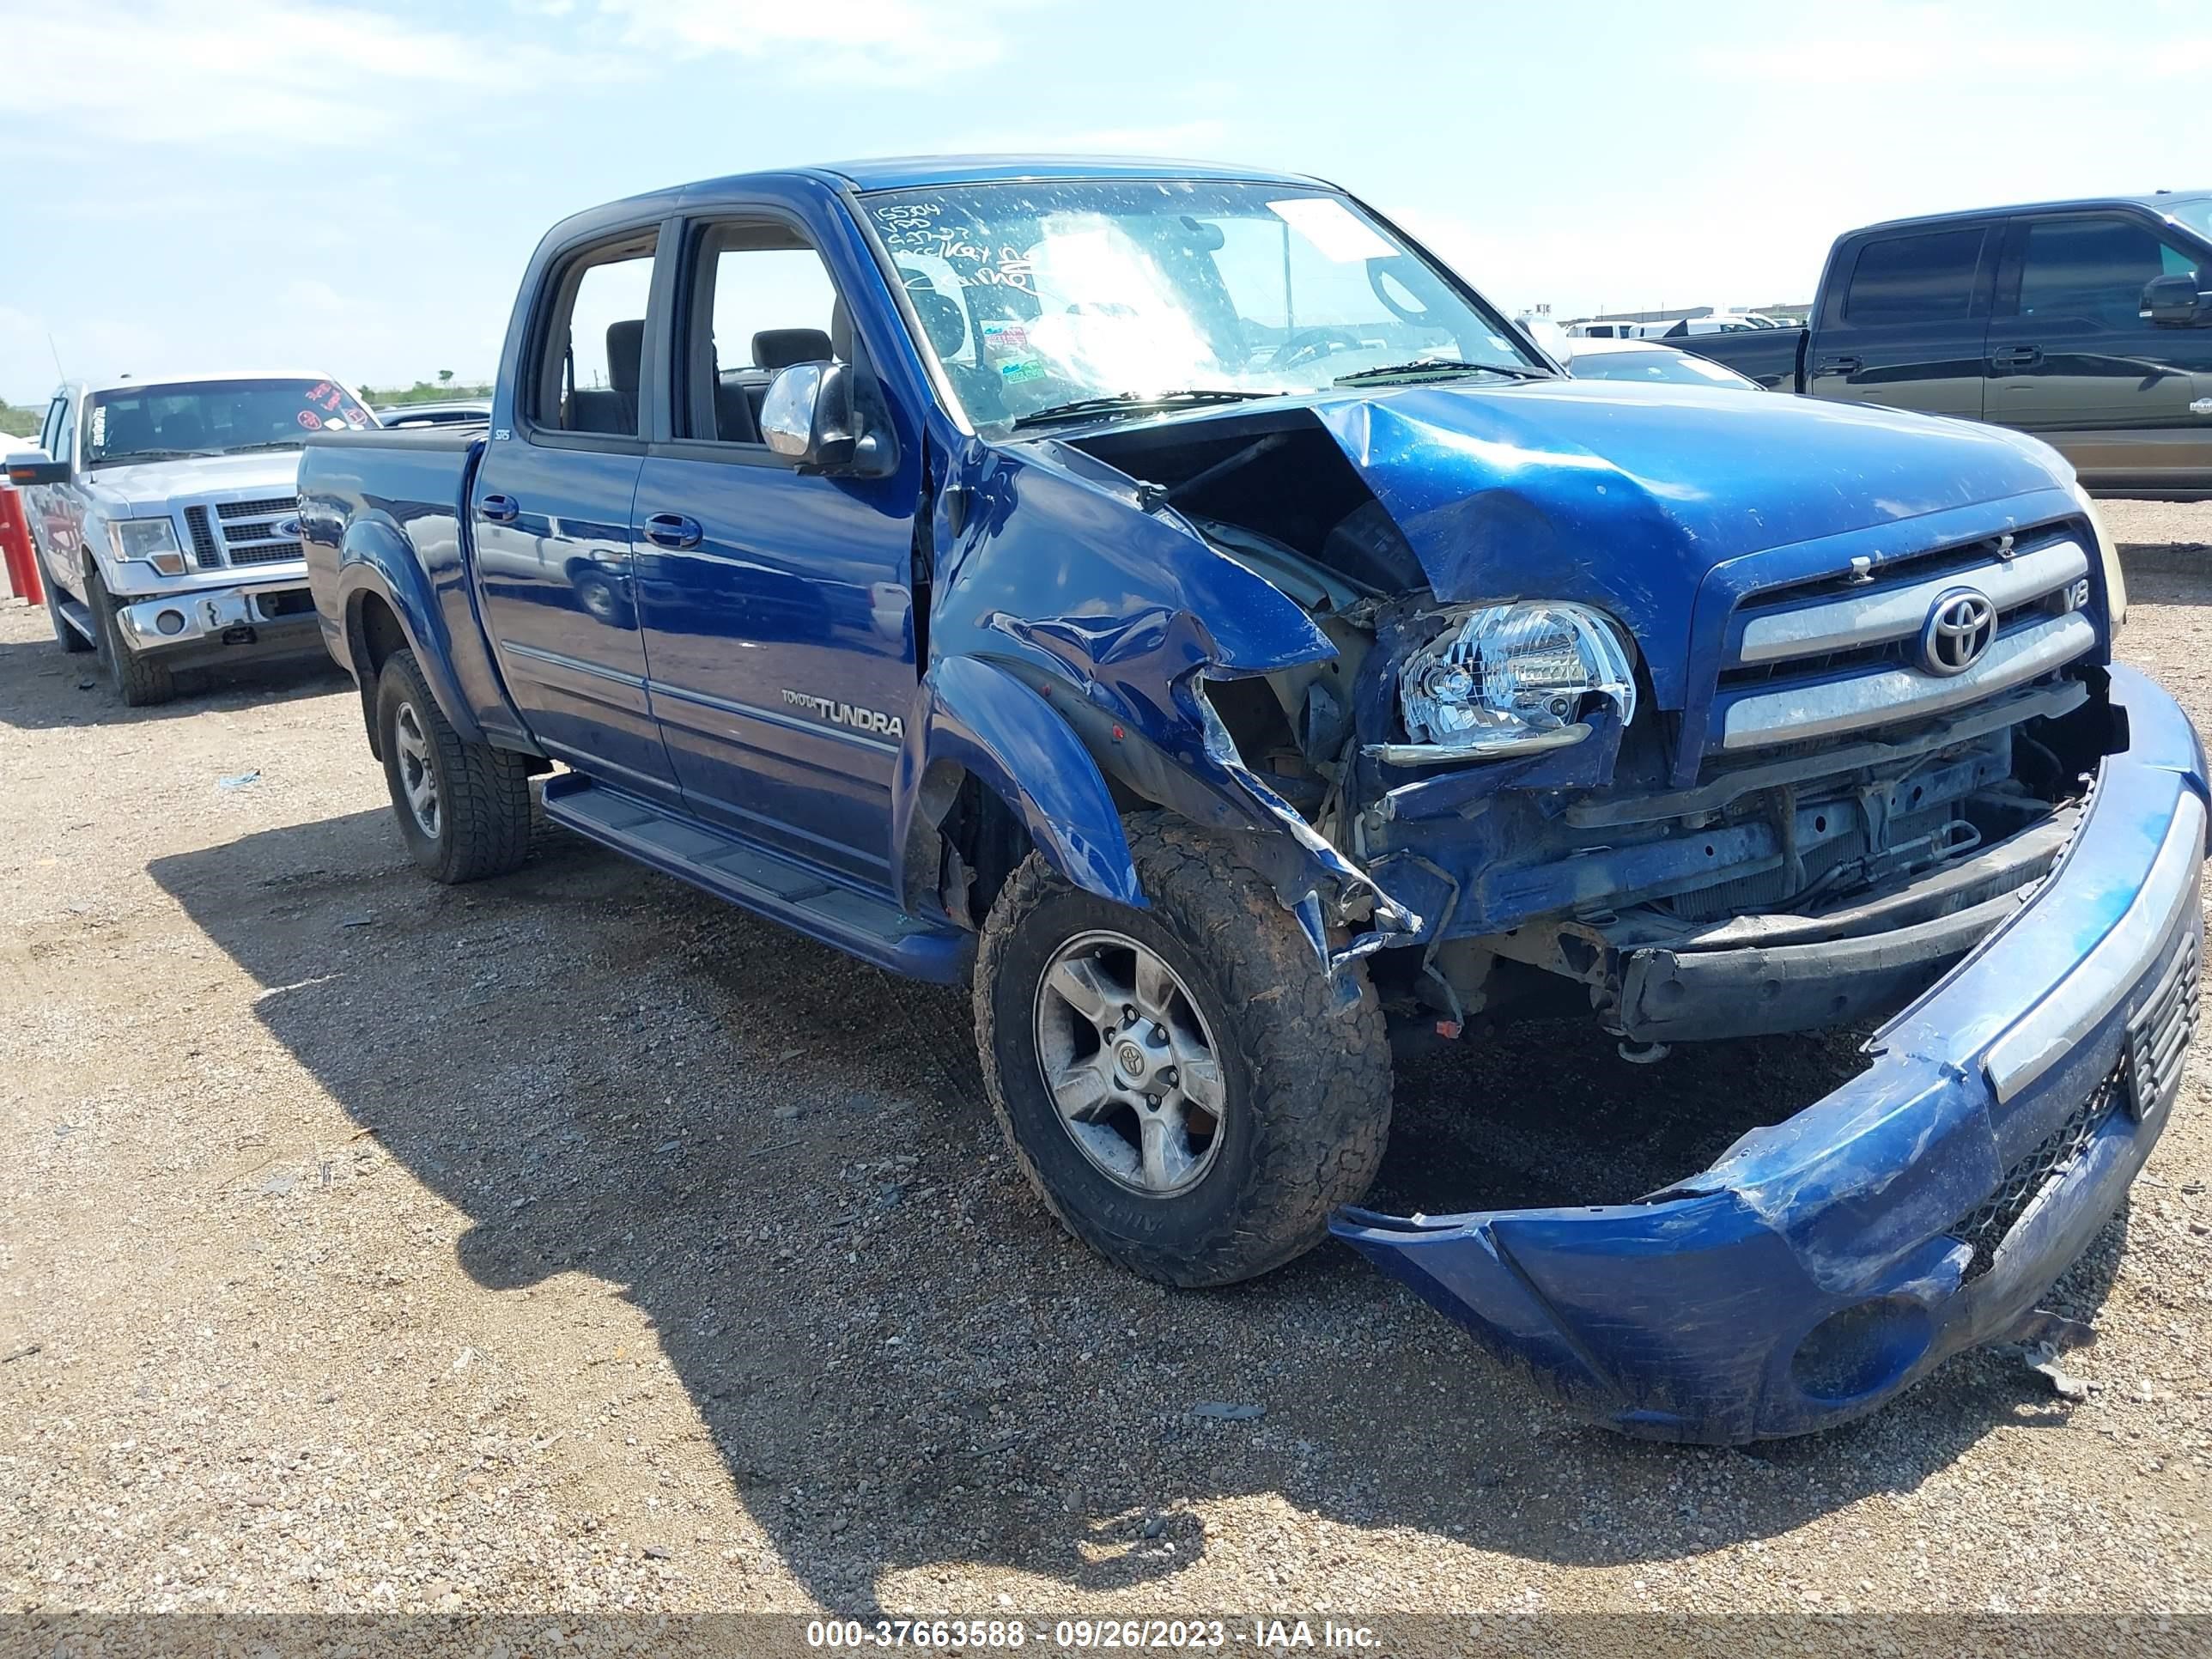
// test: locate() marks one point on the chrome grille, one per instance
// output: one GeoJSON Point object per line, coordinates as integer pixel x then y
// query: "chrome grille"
{"type": "Point", "coordinates": [265, 553]}
{"type": "Point", "coordinates": [273, 507]}
{"type": "Point", "coordinates": [205, 551]}
{"type": "Point", "coordinates": [1842, 654]}
{"type": "Point", "coordinates": [2158, 1035]}
{"type": "Point", "coordinates": [248, 531]}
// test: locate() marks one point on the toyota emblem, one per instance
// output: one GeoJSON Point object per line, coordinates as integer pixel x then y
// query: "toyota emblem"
{"type": "Point", "coordinates": [1960, 626]}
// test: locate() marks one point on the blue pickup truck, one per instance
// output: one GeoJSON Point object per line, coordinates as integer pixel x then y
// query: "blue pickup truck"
{"type": "Point", "coordinates": [1167, 600]}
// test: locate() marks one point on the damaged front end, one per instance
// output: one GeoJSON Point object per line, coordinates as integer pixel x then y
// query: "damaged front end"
{"type": "Point", "coordinates": [1736, 800]}
{"type": "Point", "coordinates": [1828, 1261]}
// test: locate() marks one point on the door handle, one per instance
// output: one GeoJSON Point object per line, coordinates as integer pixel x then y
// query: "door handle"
{"type": "Point", "coordinates": [499, 509]}
{"type": "Point", "coordinates": [2020, 356]}
{"type": "Point", "coordinates": [671, 530]}
{"type": "Point", "coordinates": [1839, 366]}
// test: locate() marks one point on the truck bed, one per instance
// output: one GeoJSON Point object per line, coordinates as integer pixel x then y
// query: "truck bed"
{"type": "Point", "coordinates": [393, 502]}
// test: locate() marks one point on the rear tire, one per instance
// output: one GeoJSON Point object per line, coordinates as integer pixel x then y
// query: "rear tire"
{"type": "Point", "coordinates": [1299, 1086]}
{"type": "Point", "coordinates": [139, 681]}
{"type": "Point", "coordinates": [464, 808]}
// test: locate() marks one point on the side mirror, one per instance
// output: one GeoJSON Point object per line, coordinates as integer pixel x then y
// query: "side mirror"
{"type": "Point", "coordinates": [2173, 302]}
{"type": "Point", "coordinates": [26, 467]}
{"type": "Point", "coordinates": [811, 417]}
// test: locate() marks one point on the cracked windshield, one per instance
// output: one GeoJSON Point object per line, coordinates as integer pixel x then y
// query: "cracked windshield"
{"type": "Point", "coordinates": [1083, 297]}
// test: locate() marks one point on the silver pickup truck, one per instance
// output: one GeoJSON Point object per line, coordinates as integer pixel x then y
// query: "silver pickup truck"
{"type": "Point", "coordinates": [165, 517]}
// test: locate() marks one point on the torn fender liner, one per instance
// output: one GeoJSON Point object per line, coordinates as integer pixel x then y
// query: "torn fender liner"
{"type": "Point", "coordinates": [1822, 1264]}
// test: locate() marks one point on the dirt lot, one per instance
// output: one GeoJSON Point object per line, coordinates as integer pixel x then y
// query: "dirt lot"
{"type": "Point", "coordinates": [573, 1240]}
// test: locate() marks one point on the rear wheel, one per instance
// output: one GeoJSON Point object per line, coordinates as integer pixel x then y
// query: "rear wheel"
{"type": "Point", "coordinates": [139, 681]}
{"type": "Point", "coordinates": [462, 807]}
{"type": "Point", "coordinates": [1180, 1083]}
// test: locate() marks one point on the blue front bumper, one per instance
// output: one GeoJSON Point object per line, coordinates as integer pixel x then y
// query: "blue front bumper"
{"type": "Point", "coordinates": [1824, 1264]}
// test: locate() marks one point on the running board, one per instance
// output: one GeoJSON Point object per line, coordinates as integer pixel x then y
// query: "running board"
{"type": "Point", "coordinates": [74, 613]}
{"type": "Point", "coordinates": [865, 925]}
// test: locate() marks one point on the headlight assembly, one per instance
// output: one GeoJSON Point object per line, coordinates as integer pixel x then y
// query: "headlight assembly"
{"type": "Point", "coordinates": [153, 540]}
{"type": "Point", "coordinates": [1508, 679]}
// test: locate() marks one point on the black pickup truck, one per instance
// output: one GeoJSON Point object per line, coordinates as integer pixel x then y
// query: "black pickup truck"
{"type": "Point", "coordinates": [2088, 324]}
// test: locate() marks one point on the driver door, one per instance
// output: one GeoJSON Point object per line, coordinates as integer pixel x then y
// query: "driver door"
{"type": "Point", "coordinates": [2073, 360]}
{"type": "Point", "coordinates": [777, 607]}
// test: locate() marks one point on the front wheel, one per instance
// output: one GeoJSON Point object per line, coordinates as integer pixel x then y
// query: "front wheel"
{"type": "Point", "coordinates": [139, 681]}
{"type": "Point", "coordinates": [1180, 1083]}
{"type": "Point", "coordinates": [462, 807]}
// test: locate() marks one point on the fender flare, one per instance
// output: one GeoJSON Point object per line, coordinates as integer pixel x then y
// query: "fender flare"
{"type": "Point", "coordinates": [973, 714]}
{"type": "Point", "coordinates": [375, 558]}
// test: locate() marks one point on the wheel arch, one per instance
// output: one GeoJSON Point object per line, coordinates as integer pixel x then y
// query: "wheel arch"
{"type": "Point", "coordinates": [988, 770]}
{"type": "Point", "coordinates": [381, 587]}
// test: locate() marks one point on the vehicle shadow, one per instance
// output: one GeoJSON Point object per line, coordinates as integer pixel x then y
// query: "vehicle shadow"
{"type": "Point", "coordinates": [785, 1163]}
{"type": "Point", "coordinates": [42, 687]}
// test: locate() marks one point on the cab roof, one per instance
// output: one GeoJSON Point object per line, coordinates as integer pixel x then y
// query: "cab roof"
{"type": "Point", "coordinates": [142, 382]}
{"type": "Point", "coordinates": [909, 172]}
{"type": "Point", "coordinates": [2161, 202]}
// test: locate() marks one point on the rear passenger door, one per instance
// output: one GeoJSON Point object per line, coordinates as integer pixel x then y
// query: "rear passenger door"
{"type": "Point", "coordinates": [1905, 326]}
{"type": "Point", "coordinates": [777, 606]}
{"type": "Point", "coordinates": [550, 517]}
{"type": "Point", "coordinates": [2073, 360]}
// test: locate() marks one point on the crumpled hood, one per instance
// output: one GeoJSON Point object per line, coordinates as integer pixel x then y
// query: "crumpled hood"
{"type": "Point", "coordinates": [1626, 495]}
{"type": "Point", "coordinates": [149, 489]}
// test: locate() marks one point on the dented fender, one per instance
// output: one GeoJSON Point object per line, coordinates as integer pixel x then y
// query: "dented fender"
{"type": "Point", "coordinates": [973, 716]}
{"type": "Point", "coordinates": [1111, 615]}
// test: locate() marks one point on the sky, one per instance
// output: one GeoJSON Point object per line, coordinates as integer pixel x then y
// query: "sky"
{"type": "Point", "coordinates": [354, 188]}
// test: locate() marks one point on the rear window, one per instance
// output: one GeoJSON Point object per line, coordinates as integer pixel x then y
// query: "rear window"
{"type": "Point", "coordinates": [1926, 277]}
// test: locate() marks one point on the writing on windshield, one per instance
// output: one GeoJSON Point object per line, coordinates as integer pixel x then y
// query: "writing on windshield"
{"type": "Point", "coordinates": [214, 418]}
{"type": "Point", "coordinates": [1038, 296]}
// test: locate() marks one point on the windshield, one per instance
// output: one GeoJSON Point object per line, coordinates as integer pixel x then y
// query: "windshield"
{"type": "Point", "coordinates": [1676, 367]}
{"type": "Point", "coordinates": [1035, 296]}
{"type": "Point", "coordinates": [213, 417]}
{"type": "Point", "coordinates": [2196, 215]}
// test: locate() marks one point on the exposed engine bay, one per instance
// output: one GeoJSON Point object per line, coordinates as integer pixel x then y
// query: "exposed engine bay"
{"type": "Point", "coordinates": [1503, 769]}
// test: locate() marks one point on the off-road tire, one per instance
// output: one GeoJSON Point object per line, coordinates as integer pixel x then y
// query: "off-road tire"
{"type": "Point", "coordinates": [65, 636]}
{"type": "Point", "coordinates": [139, 681]}
{"type": "Point", "coordinates": [483, 793]}
{"type": "Point", "coordinates": [1309, 1079]}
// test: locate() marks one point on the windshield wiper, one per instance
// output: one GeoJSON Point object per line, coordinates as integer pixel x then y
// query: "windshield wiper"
{"type": "Point", "coordinates": [1440, 366]}
{"type": "Point", "coordinates": [1136, 402]}
{"type": "Point", "coordinates": [131, 458]}
{"type": "Point", "coordinates": [266, 443]}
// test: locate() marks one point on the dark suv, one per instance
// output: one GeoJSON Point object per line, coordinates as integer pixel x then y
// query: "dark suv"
{"type": "Point", "coordinates": [2088, 324]}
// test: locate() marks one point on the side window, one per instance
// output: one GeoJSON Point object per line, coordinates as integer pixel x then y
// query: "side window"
{"type": "Point", "coordinates": [1925, 277]}
{"type": "Point", "coordinates": [2093, 270]}
{"type": "Point", "coordinates": [760, 300]}
{"type": "Point", "coordinates": [65, 447]}
{"type": "Point", "coordinates": [594, 343]}
{"type": "Point", "coordinates": [52, 426]}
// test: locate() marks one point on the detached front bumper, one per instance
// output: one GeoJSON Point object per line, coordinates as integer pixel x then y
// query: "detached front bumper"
{"type": "Point", "coordinates": [275, 616]}
{"type": "Point", "coordinates": [1829, 1261]}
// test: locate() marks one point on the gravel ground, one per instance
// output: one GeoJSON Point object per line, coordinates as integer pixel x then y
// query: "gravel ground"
{"type": "Point", "coordinates": [572, 1240]}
